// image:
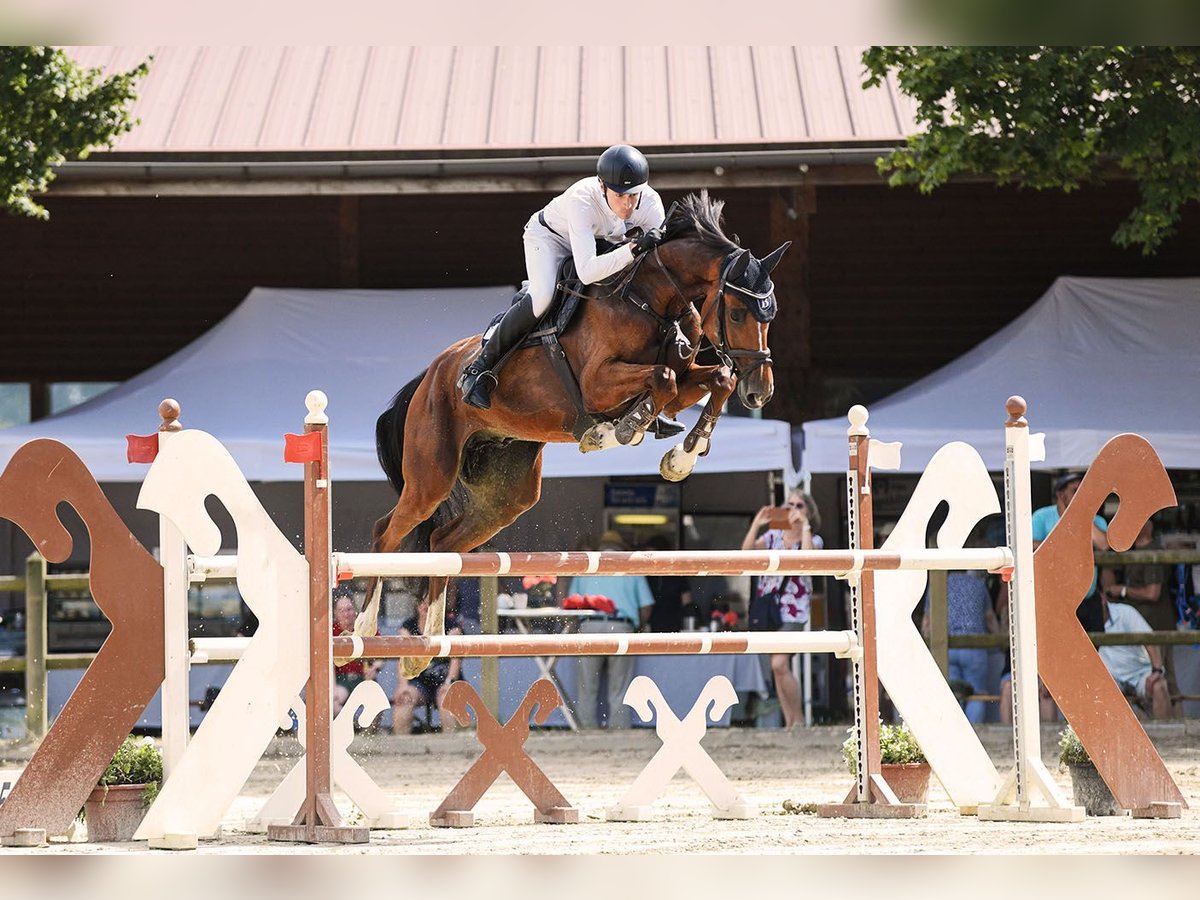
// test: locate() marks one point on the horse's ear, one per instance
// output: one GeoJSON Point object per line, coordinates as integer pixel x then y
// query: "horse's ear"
{"type": "Point", "coordinates": [771, 260]}
{"type": "Point", "coordinates": [738, 267]}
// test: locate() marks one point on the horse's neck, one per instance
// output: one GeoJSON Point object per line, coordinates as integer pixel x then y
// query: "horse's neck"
{"type": "Point", "coordinates": [667, 283]}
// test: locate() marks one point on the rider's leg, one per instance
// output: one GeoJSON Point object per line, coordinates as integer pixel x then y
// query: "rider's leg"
{"type": "Point", "coordinates": [541, 261]}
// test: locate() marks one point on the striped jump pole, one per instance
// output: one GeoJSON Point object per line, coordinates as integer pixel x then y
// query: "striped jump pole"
{"type": "Point", "coordinates": [843, 564]}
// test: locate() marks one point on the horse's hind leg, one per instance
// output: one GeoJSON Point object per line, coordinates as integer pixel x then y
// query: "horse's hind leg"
{"type": "Point", "coordinates": [429, 476]}
{"type": "Point", "coordinates": [367, 622]}
{"type": "Point", "coordinates": [500, 490]}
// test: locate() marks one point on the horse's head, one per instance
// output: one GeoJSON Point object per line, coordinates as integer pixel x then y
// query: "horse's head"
{"type": "Point", "coordinates": [738, 303]}
{"type": "Point", "coordinates": [744, 308]}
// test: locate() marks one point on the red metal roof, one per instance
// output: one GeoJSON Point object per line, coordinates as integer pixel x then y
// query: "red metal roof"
{"type": "Point", "coordinates": [287, 99]}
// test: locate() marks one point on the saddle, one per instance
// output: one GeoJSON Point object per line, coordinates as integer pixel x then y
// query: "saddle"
{"type": "Point", "coordinates": [568, 292]}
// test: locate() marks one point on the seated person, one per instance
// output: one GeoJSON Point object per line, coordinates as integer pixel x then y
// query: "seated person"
{"type": "Point", "coordinates": [431, 685]}
{"type": "Point", "coordinates": [346, 678]}
{"type": "Point", "coordinates": [1137, 670]}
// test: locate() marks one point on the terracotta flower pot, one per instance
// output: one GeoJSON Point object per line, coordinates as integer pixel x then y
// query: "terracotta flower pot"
{"type": "Point", "coordinates": [1091, 792]}
{"type": "Point", "coordinates": [115, 816]}
{"type": "Point", "coordinates": [909, 781]}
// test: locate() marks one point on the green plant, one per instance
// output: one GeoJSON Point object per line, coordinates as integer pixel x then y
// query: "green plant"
{"type": "Point", "coordinates": [1070, 750]}
{"type": "Point", "coordinates": [897, 745]}
{"type": "Point", "coordinates": [136, 762]}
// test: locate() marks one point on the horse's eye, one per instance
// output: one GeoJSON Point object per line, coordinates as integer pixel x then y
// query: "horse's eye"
{"type": "Point", "coordinates": [737, 316]}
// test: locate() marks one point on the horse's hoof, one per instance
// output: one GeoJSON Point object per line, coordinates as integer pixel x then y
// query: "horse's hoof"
{"type": "Point", "coordinates": [598, 437]}
{"type": "Point", "coordinates": [676, 464]}
{"type": "Point", "coordinates": [364, 627]}
{"type": "Point", "coordinates": [412, 666]}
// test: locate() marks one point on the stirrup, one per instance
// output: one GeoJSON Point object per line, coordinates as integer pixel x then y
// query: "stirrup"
{"type": "Point", "coordinates": [634, 422]}
{"type": "Point", "coordinates": [666, 428]}
{"type": "Point", "coordinates": [477, 386]}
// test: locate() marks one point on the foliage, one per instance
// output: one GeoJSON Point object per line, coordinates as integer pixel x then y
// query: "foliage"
{"type": "Point", "coordinates": [1070, 750]}
{"type": "Point", "coordinates": [1054, 117]}
{"type": "Point", "coordinates": [897, 745]}
{"type": "Point", "coordinates": [51, 109]}
{"type": "Point", "coordinates": [136, 762]}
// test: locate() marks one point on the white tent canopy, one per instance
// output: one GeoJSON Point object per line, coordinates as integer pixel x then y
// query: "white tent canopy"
{"type": "Point", "coordinates": [245, 381]}
{"type": "Point", "coordinates": [1094, 357]}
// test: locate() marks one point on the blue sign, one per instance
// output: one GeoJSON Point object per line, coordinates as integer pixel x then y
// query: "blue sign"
{"type": "Point", "coordinates": [641, 496]}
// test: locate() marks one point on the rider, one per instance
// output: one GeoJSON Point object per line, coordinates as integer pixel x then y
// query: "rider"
{"type": "Point", "coordinates": [606, 207]}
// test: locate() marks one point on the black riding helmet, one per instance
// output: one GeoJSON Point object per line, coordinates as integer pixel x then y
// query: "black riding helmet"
{"type": "Point", "coordinates": [623, 168]}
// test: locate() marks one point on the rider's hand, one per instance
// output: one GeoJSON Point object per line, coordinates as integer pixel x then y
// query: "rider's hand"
{"type": "Point", "coordinates": [648, 240]}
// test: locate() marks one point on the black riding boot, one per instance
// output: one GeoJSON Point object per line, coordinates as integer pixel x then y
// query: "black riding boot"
{"type": "Point", "coordinates": [477, 380]}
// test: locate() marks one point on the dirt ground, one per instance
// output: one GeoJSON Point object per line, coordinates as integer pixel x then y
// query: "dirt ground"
{"type": "Point", "coordinates": [769, 767]}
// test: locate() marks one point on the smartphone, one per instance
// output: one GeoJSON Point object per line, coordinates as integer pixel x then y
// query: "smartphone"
{"type": "Point", "coordinates": [778, 517]}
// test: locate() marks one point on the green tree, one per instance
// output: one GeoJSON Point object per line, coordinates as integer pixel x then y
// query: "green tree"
{"type": "Point", "coordinates": [1054, 117]}
{"type": "Point", "coordinates": [52, 109]}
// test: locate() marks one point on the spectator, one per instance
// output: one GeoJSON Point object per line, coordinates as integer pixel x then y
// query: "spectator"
{"type": "Point", "coordinates": [1044, 519]}
{"type": "Point", "coordinates": [672, 593]}
{"type": "Point", "coordinates": [464, 603]}
{"type": "Point", "coordinates": [1145, 587]}
{"type": "Point", "coordinates": [346, 678]}
{"type": "Point", "coordinates": [787, 599]}
{"type": "Point", "coordinates": [1138, 671]}
{"type": "Point", "coordinates": [431, 685]}
{"type": "Point", "coordinates": [630, 594]}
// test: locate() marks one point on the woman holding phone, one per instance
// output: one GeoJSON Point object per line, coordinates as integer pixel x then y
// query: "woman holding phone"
{"type": "Point", "coordinates": [784, 601]}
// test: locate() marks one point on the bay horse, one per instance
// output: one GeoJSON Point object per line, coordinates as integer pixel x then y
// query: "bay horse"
{"type": "Point", "coordinates": [463, 473]}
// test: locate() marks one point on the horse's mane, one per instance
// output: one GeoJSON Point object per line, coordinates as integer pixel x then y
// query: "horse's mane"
{"type": "Point", "coordinates": [698, 216]}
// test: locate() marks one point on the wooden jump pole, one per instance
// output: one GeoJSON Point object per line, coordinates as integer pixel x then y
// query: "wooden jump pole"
{"type": "Point", "coordinates": [844, 564]}
{"type": "Point", "coordinates": [841, 643]}
{"type": "Point", "coordinates": [318, 820]}
{"type": "Point", "coordinates": [871, 796]}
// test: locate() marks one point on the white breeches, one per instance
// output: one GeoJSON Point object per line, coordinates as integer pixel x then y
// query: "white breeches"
{"type": "Point", "coordinates": [543, 255]}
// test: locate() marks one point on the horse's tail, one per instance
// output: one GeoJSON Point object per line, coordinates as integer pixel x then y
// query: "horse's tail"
{"type": "Point", "coordinates": [389, 434]}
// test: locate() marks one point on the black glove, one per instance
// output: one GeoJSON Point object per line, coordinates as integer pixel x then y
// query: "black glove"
{"type": "Point", "coordinates": [648, 240]}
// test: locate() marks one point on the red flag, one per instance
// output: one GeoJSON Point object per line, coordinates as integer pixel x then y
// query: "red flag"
{"type": "Point", "coordinates": [302, 448]}
{"type": "Point", "coordinates": [141, 448]}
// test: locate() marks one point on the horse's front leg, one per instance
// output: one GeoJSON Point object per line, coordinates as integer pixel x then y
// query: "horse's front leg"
{"type": "Point", "coordinates": [613, 384]}
{"type": "Point", "coordinates": [719, 383]}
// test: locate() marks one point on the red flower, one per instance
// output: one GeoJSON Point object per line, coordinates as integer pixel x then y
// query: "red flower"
{"type": "Point", "coordinates": [730, 618]}
{"type": "Point", "coordinates": [530, 581]}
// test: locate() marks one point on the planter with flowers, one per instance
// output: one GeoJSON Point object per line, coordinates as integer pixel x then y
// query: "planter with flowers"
{"type": "Point", "coordinates": [116, 806]}
{"type": "Point", "coordinates": [901, 762]}
{"type": "Point", "coordinates": [1087, 787]}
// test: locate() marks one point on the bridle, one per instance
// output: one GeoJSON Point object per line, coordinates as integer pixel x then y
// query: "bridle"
{"type": "Point", "coordinates": [755, 359]}
{"type": "Point", "coordinates": [742, 362]}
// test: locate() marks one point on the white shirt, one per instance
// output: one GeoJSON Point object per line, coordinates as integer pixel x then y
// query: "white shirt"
{"type": "Point", "coordinates": [1128, 663]}
{"type": "Point", "coordinates": [580, 214]}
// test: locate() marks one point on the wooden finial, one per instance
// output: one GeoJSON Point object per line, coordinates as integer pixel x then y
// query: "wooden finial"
{"type": "Point", "coordinates": [1016, 407]}
{"type": "Point", "coordinates": [169, 411]}
{"type": "Point", "coordinates": [316, 401]}
{"type": "Point", "coordinates": [858, 416]}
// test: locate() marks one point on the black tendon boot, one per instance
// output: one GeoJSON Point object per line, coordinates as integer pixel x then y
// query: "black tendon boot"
{"type": "Point", "coordinates": [477, 380]}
